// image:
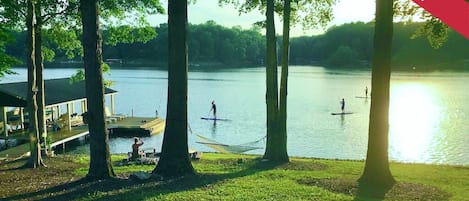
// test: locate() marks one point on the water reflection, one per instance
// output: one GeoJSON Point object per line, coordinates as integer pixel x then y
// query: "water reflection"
{"type": "Point", "coordinates": [214, 129]}
{"type": "Point", "coordinates": [415, 117]}
{"type": "Point", "coordinates": [342, 121]}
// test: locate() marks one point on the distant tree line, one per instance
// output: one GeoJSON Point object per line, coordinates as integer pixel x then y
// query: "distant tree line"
{"type": "Point", "coordinates": [346, 46]}
{"type": "Point", "coordinates": [208, 43]}
{"type": "Point", "coordinates": [351, 45]}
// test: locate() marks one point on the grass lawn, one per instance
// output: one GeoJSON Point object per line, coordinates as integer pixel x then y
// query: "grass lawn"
{"type": "Point", "coordinates": [231, 177]}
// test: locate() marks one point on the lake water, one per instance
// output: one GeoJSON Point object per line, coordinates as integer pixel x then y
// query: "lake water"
{"type": "Point", "coordinates": [428, 119]}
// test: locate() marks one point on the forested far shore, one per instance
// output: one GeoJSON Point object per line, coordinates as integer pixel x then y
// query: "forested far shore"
{"type": "Point", "coordinates": [209, 44]}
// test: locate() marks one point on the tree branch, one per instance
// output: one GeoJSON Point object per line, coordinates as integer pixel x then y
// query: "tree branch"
{"type": "Point", "coordinates": [48, 16]}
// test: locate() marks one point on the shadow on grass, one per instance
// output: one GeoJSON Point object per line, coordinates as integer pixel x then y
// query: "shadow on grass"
{"type": "Point", "coordinates": [367, 192]}
{"type": "Point", "coordinates": [399, 191]}
{"type": "Point", "coordinates": [11, 162]}
{"type": "Point", "coordinates": [125, 189]}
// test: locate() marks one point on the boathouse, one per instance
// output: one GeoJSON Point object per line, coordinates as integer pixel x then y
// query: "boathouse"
{"type": "Point", "coordinates": [59, 93]}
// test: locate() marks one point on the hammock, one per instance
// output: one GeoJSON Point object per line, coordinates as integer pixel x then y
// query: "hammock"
{"type": "Point", "coordinates": [224, 148]}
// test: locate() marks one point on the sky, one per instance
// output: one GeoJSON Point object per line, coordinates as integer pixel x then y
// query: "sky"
{"type": "Point", "coordinates": [345, 11]}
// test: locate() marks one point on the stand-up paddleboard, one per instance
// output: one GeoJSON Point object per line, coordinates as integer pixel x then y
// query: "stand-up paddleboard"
{"type": "Point", "coordinates": [341, 113]}
{"type": "Point", "coordinates": [214, 119]}
{"type": "Point", "coordinates": [361, 96]}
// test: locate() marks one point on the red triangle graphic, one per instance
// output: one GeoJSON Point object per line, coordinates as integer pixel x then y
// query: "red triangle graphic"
{"type": "Point", "coordinates": [454, 13]}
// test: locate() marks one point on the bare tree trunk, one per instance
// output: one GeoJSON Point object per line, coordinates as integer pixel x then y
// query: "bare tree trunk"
{"type": "Point", "coordinates": [40, 77]}
{"type": "Point", "coordinates": [377, 171]}
{"type": "Point", "coordinates": [35, 159]}
{"type": "Point", "coordinates": [271, 84]}
{"type": "Point", "coordinates": [100, 159]}
{"type": "Point", "coordinates": [174, 160]}
{"type": "Point", "coordinates": [282, 154]}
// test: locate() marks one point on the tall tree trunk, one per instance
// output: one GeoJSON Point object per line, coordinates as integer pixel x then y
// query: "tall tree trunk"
{"type": "Point", "coordinates": [100, 159]}
{"type": "Point", "coordinates": [35, 148]}
{"type": "Point", "coordinates": [39, 57]}
{"type": "Point", "coordinates": [282, 154]}
{"type": "Point", "coordinates": [271, 84]}
{"type": "Point", "coordinates": [174, 159]}
{"type": "Point", "coordinates": [377, 171]}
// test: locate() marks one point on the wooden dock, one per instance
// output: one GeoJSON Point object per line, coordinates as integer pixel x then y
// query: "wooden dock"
{"type": "Point", "coordinates": [130, 127]}
{"type": "Point", "coordinates": [55, 139]}
{"type": "Point", "coordinates": [68, 139]}
{"type": "Point", "coordinates": [136, 127]}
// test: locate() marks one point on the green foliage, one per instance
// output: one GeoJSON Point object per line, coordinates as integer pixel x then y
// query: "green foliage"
{"type": "Point", "coordinates": [312, 13]}
{"type": "Point", "coordinates": [208, 43]}
{"type": "Point", "coordinates": [433, 28]}
{"type": "Point", "coordinates": [48, 54]}
{"type": "Point", "coordinates": [233, 45]}
{"type": "Point", "coordinates": [16, 48]}
{"type": "Point", "coordinates": [12, 13]}
{"type": "Point", "coordinates": [408, 51]}
{"type": "Point", "coordinates": [343, 56]}
{"type": "Point", "coordinates": [80, 75]}
{"type": "Point", "coordinates": [129, 10]}
{"type": "Point", "coordinates": [211, 44]}
{"type": "Point", "coordinates": [5, 63]}
{"type": "Point", "coordinates": [5, 60]}
{"type": "Point", "coordinates": [62, 39]}
{"type": "Point", "coordinates": [357, 36]}
{"type": "Point", "coordinates": [62, 23]}
{"type": "Point", "coordinates": [128, 34]}
{"type": "Point", "coordinates": [125, 21]}
{"type": "Point", "coordinates": [308, 13]}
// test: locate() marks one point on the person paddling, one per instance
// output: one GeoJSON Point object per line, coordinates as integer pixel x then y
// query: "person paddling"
{"type": "Point", "coordinates": [366, 92]}
{"type": "Point", "coordinates": [342, 105]}
{"type": "Point", "coordinates": [214, 109]}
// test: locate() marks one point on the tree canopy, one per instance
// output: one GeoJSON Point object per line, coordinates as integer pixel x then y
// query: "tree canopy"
{"type": "Point", "coordinates": [62, 24]}
{"type": "Point", "coordinates": [433, 28]}
{"type": "Point", "coordinates": [5, 60]}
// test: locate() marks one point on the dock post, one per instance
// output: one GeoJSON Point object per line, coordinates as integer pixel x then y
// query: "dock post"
{"type": "Point", "coordinates": [52, 114]}
{"type": "Point", "coordinates": [5, 123]}
{"type": "Point", "coordinates": [73, 107]}
{"type": "Point", "coordinates": [85, 103]}
{"type": "Point", "coordinates": [58, 111]}
{"type": "Point", "coordinates": [69, 122]}
{"type": "Point", "coordinates": [112, 104]}
{"type": "Point", "coordinates": [22, 118]}
{"type": "Point", "coordinates": [82, 106]}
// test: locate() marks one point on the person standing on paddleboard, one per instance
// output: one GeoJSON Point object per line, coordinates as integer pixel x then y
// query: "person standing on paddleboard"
{"type": "Point", "coordinates": [342, 105]}
{"type": "Point", "coordinates": [366, 92]}
{"type": "Point", "coordinates": [214, 109]}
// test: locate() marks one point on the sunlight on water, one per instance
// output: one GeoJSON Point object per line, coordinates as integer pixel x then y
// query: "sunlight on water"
{"type": "Point", "coordinates": [415, 116]}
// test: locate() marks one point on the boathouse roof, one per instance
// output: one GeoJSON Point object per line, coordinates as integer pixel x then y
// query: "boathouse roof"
{"type": "Point", "coordinates": [57, 91]}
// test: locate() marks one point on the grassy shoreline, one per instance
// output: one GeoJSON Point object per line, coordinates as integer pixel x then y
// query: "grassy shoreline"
{"type": "Point", "coordinates": [232, 177]}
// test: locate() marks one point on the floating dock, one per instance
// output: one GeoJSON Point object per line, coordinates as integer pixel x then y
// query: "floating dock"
{"type": "Point", "coordinates": [136, 127]}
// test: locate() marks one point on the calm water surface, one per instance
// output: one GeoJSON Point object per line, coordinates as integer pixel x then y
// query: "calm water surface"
{"type": "Point", "coordinates": [428, 116]}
